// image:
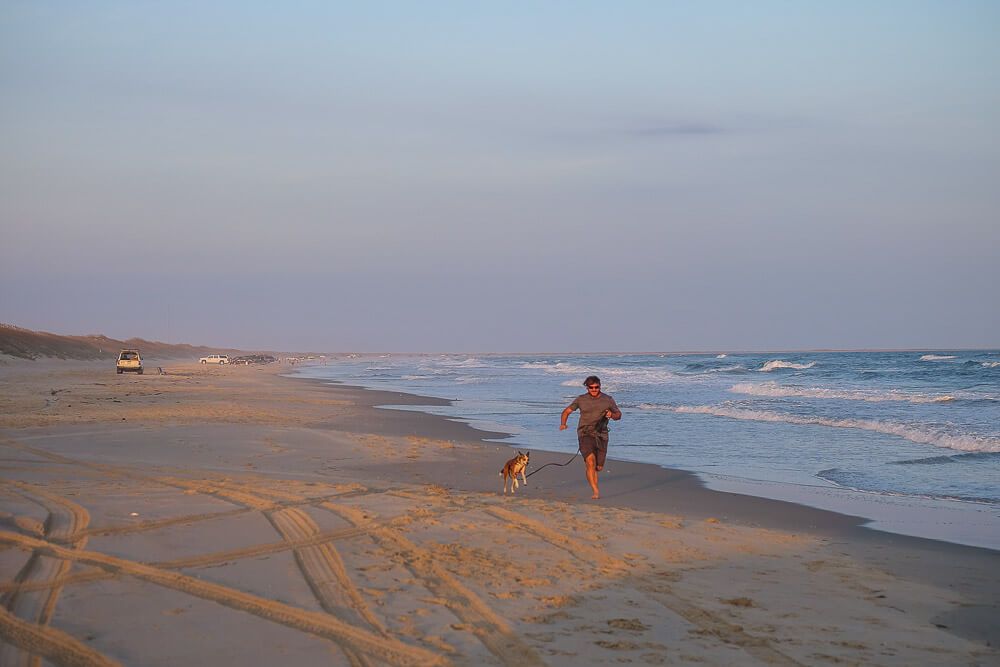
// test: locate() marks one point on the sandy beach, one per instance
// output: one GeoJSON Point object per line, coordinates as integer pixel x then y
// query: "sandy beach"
{"type": "Point", "coordinates": [236, 516]}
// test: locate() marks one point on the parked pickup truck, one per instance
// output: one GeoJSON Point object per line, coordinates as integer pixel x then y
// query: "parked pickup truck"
{"type": "Point", "coordinates": [215, 359]}
{"type": "Point", "coordinates": [129, 361]}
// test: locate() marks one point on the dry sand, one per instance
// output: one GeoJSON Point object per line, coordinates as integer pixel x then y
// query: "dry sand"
{"type": "Point", "coordinates": [233, 516]}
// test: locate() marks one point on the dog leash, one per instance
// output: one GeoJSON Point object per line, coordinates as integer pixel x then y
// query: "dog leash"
{"type": "Point", "coordinates": [553, 464]}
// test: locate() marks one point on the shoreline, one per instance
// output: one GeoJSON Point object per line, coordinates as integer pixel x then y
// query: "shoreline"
{"type": "Point", "coordinates": [903, 516]}
{"type": "Point", "coordinates": [649, 487]}
{"type": "Point", "coordinates": [304, 516]}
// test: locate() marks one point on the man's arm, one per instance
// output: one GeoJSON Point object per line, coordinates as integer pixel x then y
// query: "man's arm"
{"type": "Point", "coordinates": [613, 412]}
{"type": "Point", "coordinates": [565, 416]}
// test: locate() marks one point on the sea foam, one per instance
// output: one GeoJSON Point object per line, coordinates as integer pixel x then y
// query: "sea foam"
{"type": "Point", "coordinates": [779, 363]}
{"type": "Point", "coordinates": [921, 434]}
{"type": "Point", "coordinates": [468, 362]}
{"type": "Point", "coordinates": [937, 357]}
{"type": "Point", "coordinates": [774, 390]}
{"type": "Point", "coordinates": [610, 375]}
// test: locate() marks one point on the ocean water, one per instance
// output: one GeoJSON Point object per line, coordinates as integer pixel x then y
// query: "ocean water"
{"type": "Point", "coordinates": [896, 424]}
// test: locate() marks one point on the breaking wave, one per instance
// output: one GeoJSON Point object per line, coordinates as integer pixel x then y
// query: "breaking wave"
{"type": "Point", "coordinates": [610, 375]}
{"type": "Point", "coordinates": [469, 362]}
{"type": "Point", "coordinates": [991, 364]}
{"type": "Point", "coordinates": [926, 461]}
{"type": "Point", "coordinates": [735, 368]}
{"type": "Point", "coordinates": [920, 434]}
{"type": "Point", "coordinates": [865, 481]}
{"type": "Point", "coordinates": [965, 457]}
{"type": "Point", "coordinates": [774, 390]}
{"type": "Point", "coordinates": [936, 357]}
{"type": "Point", "coordinates": [470, 379]}
{"type": "Point", "coordinates": [698, 368]}
{"type": "Point", "coordinates": [778, 363]}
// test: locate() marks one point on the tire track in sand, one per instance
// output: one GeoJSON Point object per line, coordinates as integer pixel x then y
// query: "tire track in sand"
{"type": "Point", "coordinates": [54, 645]}
{"type": "Point", "coordinates": [489, 627]}
{"type": "Point", "coordinates": [324, 571]}
{"type": "Point", "coordinates": [421, 564]}
{"type": "Point", "coordinates": [156, 524]}
{"type": "Point", "coordinates": [385, 649]}
{"type": "Point", "coordinates": [323, 568]}
{"type": "Point", "coordinates": [575, 547]}
{"type": "Point", "coordinates": [65, 521]}
{"type": "Point", "coordinates": [194, 561]}
{"type": "Point", "coordinates": [320, 564]}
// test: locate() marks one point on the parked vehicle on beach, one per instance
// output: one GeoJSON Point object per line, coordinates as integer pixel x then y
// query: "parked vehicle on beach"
{"type": "Point", "coordinates": [215, 359]}
{"type": "Point", "coordinates": [129, 361]}
{"type": "Point", "coordinates": [248, 359]}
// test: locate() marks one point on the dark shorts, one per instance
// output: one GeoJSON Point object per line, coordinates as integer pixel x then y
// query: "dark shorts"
{"type": "Point", "coordinates": [594, 444]}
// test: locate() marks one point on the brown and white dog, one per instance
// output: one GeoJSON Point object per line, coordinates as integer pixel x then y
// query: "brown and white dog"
{"type": "Point", "coordinates": [514, 467]}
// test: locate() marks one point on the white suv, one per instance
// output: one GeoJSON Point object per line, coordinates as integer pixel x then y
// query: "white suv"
{"type": "Point", "coordinates": [215, 359]}
{"type": "Point", "coordinates": [129, 361]}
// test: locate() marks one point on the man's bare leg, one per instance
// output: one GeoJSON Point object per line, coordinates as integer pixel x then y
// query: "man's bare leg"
{"type": "Point", "coordinates": [589, 461]}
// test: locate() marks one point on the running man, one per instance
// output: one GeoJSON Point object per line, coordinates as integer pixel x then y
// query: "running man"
{"type": "Point", "coordinates": [592, 431]}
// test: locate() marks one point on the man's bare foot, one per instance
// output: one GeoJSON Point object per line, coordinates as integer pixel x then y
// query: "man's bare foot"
{"type": "Point", "coordinates": [596, 496]}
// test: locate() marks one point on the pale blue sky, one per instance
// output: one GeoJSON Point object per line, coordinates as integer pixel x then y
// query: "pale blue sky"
{"type": "Point", "coordinates": [503, 176]}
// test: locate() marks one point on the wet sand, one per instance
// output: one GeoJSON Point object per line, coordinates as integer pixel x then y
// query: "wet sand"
{"type": "Point", "coordinates": [230, 515]}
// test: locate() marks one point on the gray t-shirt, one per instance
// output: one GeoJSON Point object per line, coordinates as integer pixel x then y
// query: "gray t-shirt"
{"type": "Point", "coordinates": [592, 410]}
